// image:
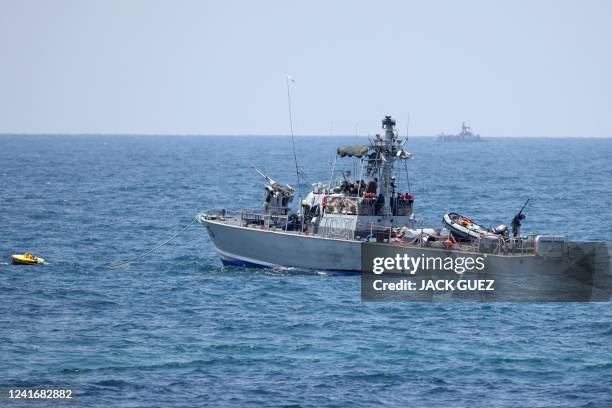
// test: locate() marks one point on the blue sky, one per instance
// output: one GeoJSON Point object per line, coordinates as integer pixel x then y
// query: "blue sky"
{"type": "Point", "coordinates": [515, 68]}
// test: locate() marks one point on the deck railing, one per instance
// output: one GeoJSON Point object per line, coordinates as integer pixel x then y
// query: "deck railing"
{"type": "Point", "coordinates": [379, 233]}
{"type": "Point", "coordinates": [265, 220]}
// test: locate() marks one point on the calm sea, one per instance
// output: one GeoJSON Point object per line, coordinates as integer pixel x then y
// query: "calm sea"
{"type": "Point", "coordinates": [179, 330]}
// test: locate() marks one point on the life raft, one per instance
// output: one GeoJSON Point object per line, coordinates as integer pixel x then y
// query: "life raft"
{"type": "Point", "coordinates": [464, 229]}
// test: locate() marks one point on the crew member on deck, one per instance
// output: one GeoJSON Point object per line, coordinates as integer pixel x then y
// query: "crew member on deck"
{"type": "Point", "coordinates": [516, 224]}
{"type": "Point", "coordinates": [372, 186]}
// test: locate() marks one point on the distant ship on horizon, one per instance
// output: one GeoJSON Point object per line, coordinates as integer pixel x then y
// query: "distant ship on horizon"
{"type": "Point", "coordinates": [466, 135]}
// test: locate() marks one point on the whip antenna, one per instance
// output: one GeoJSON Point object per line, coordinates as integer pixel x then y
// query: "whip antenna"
{"type": "Point", "coordinates": [407, 126]}
{"type": "Point", "coordinates": [297, 169]}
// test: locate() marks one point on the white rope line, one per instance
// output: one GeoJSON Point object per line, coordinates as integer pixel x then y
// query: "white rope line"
{"type": "Point", "coordinates": [129, 261]}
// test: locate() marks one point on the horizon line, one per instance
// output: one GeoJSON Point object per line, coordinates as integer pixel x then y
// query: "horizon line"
{"type": "Point", "coordinates": [72, 134]}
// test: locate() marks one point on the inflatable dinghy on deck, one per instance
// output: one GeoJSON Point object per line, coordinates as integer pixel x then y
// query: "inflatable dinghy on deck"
{"type": "Point", "coordinates": [464, 229]}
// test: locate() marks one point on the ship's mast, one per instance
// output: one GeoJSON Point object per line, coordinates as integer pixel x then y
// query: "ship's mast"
{"type": "Point", "coordinates": [388, 153]}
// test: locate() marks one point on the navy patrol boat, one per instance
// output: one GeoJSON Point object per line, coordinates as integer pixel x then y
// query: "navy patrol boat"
{"type": "Point", "coordinates": [336, 222]}
{"type": "Point", "coordinates": [466, 135]}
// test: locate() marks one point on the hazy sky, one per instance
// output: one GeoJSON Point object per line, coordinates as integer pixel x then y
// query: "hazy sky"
{"type": "Point", "coordinates": [515, 68]}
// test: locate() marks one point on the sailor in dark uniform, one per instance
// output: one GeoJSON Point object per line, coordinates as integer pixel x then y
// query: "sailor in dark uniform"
{"type": "Point", "coordinates": [516, 224]}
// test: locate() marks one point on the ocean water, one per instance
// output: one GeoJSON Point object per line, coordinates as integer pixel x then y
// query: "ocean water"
{"type": "Point", "coordinates": [179, 330]}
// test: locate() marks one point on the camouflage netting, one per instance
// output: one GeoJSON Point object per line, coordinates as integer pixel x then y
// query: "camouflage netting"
{"type": "Point", "coordinates": [353, 151]}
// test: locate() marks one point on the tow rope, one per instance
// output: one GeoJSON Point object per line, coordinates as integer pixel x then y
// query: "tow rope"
{"type": "Point", "coordinates": [119, 264]}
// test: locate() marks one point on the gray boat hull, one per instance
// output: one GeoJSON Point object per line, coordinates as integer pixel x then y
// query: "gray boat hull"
{"type": "Point", "coordinates": [263, 248]}
{"type": "Point", "coordinates": [574, 276]}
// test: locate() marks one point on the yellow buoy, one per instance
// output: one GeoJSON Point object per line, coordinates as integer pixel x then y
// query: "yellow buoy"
{"type": "Point", "coordinates": [26, 259]}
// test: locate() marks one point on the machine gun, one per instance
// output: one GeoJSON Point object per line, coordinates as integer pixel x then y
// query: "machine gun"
{"type": "Point", "coordinates": [278, 196]}
{"type": "Point", "coordinates": [268, 179]}
{"type": "Point", "coordinates": [274, 185]}
{"type": "Point", "coordinates": [516, 221]}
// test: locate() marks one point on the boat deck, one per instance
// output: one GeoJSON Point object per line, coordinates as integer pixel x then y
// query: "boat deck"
{"type": "Point", "coordinates": [275, 223]}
